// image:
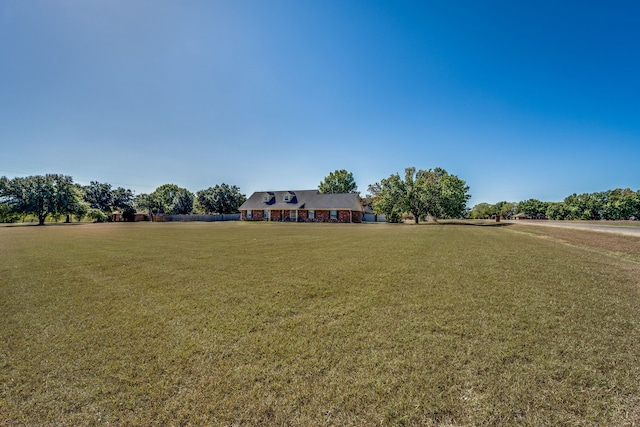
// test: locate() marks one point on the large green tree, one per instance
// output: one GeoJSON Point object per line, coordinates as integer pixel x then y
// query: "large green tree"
{"type": "Point", "coordinates": [483, 211]}
{"type": "Point", "coordinates": [41, 195]}
{"type": "Point", "coordinates": [422, 193]}
{"type": "Point", "coordinates": [556, 210]}
{"type": "Point", "coordinates": [339, 181]}
{"type": "Point", "coordinates": [163, 197]}
{"type": "Point", "coordinates": [581, 206]}
{"type": "Point", "coordinates": [101, 196]}
{"type": "Point", "coordinates": [533, 207]}
{"type": "Point", "coordinates": [620, 204]}
{"type": "Point", "coordinates": [221, 199]}
{"type": "Point", "coordinates": [486, 210]}
{"type": "Point", "coordinates": [386, 196]}
{"type": "Point", "coordinates": [168, 199]}
{"type": "Point", "coordinates": [182, 202]}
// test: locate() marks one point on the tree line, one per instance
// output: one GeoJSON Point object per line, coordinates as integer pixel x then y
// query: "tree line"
{"type": "Point", "coordinates": [618, 204]}
{"type": "Point", "coordinates": [422, 193]}
{"type": "Point", "coordinates": [56, 196]}
{"type": "Point", "coordinates": [173, 200]}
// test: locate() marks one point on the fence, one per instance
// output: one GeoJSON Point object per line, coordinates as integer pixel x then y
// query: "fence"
{"type": "Point", "coordinates": [207, 218]}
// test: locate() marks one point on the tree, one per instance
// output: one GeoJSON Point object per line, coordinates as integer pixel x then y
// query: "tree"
{"type": "Point", "coordinates": [482, 211]}
{"type": "Point", "coordinates": [145, 202]}
{"type": "Point", "coordinates": [221, 199]}
{"type": "Point", "coordinates": [41, 195]}
{"type": "Point", "coordinates": [385, 197]}
{"type": "Point", "coordinates": [533, 207]}
{"type": "Point", "coordinates": [82, 208]}
{"type": "Point", "coordinates": [99, 196]}
{"type": "Point", "coordinates": [367, 200]}
{"type": "Point", "coordinates": [339, 181]}
{"type": "Point", "coordinates": [182, 202]}
{"type": "Point", "coordinates": [97, 215]}
{"type": "Point", "coordinates": [582, 206]}
{"type": "Point", "coordinates": [486, 210]}
{"type": "Point", "coordinates": [556, 210]}
{"type": "Point", "coordinates": [123, 201]}
{"type": "Point", "coordinates": [506, 209]}
{"type": "Point", "coordinates": [162, 197]}
{"type": "Point", "coordinates": [168, 199]}
{"type": "Point", "coordinates": [107, 200]}
{"type": "Point", "coordinates": [446, 195]}
{"type": "Point", "coordinates": [73, 203]}
{"type": "Point", "coordinates": [619, 204]}
{"type": "Point", "coordinates": [615, 204]}
{"type": "Point", "coordinates": [6, 213]}
{"type": "Point", "coordinates": [423, 193]}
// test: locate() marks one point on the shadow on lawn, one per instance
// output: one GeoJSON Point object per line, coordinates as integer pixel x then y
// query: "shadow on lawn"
{"type": "Point", "coordinates": [468, 223]}
{"type": "Point", "coordinates": [46, 224]}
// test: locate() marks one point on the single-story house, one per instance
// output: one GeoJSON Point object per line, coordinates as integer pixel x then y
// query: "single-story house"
{"type": "Point", "coordinates": [526, 216]}
{"type": "Point", "coordinates": [137, 217]}
{"type": "Point", "coordinates": [301, 206]}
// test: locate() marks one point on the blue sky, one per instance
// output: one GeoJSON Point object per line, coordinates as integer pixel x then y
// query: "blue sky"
{"type": "Point", "coordinates": [520, 99]}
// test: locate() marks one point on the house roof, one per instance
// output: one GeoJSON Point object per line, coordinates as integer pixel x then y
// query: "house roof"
{"type": "Point", "coordinates": [302, 199]}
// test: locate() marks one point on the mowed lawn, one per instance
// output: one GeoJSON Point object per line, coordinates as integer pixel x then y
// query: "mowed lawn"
{"type": "Point", "coordinates": [318, 324]}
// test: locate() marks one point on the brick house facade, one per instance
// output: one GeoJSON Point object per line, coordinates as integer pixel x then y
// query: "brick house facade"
{"type": "Point", "coordinates": [302, 206]}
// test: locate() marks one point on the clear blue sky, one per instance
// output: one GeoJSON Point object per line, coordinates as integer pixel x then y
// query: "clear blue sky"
{"type": "Point", "coordinates": [520, 99]}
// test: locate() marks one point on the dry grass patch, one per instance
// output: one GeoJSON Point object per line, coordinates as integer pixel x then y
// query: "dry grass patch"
{"type": "Point", "coordinates": [312, 324]}
{"type": "Point", "coordinates": [616, 245]}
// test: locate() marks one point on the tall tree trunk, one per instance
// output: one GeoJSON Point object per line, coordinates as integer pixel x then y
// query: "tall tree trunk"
{"type": "Point", "coordinates": [41, 219]}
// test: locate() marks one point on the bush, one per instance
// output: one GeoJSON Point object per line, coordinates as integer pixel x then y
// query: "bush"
{"type": "Point", "coordinates": [97, 215]}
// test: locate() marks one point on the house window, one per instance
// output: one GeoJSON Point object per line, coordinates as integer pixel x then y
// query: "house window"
{"type": "Point", "coordinates": [312, 214]}
{"type": "Point", "coordinates": [265, 214]}
{"type": "Point", "coordinates": [249, 214]}
{"type": "Point", "coordinates": [286, 197]}
{"type": "Point", "coordinates": [265, 199]}
{"type": "Point", "coordinates": [293, 215]}
{"type": "Point", "coordinates": [334, 214]}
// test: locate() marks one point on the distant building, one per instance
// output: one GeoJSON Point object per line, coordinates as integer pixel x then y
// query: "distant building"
{"type": "Point", "coordinates": [369, 215]}
{"type": "Point", "coordinates": [137, 217]}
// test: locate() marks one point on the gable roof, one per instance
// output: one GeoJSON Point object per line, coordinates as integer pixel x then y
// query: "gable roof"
{"type": "Point", "coordinates": [303, 199]}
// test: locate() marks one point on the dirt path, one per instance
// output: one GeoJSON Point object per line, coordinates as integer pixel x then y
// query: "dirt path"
{"type": "Point", "coordinates": [610, 227]}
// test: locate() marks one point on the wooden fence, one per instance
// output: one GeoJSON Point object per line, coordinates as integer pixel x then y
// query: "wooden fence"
{"type": "Point", "coordinates": [207, 218]}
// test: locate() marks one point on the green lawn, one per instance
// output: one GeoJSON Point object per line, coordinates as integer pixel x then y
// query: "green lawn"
{"type": "Point", "coordinates": [317, 324]}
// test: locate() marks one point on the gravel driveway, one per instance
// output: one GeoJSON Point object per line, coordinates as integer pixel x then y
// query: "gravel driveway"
{"type": "Point", "coordinates": [610, 227]}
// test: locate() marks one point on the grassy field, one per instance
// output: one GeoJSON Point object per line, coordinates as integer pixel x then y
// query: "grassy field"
{"type": "Point", "coordinates": [318, 324]}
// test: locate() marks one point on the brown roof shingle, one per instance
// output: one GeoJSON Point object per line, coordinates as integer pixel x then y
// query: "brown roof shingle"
{"type": "Point", "coordinates": [303, 199]}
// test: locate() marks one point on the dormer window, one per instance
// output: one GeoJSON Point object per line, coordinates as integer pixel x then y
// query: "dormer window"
{"type": "Point", "coordinates": [267, 197]}
{"type": "Point", "coordinates": [288, 196]}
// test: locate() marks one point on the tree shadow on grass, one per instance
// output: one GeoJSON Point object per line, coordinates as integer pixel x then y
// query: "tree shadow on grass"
{"type": "Point", "coordinates": [46, 224]}
{"type": "Point", "coordinates": [473, 223]}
